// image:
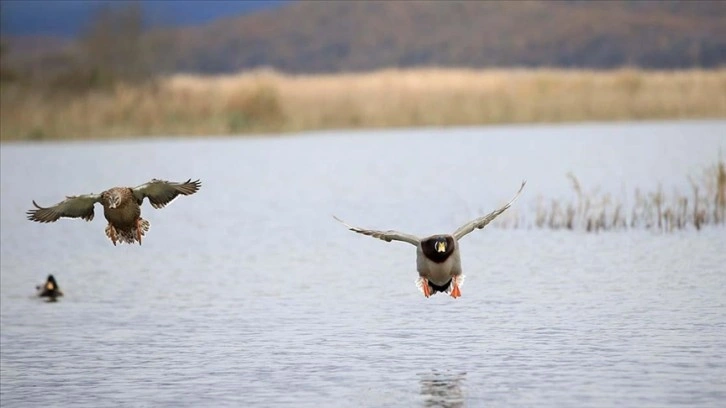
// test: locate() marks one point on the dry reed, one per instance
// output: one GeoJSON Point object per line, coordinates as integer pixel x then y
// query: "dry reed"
{"type": "Point", "coordinates": [266, 101]}
{"type": "Point", "coordinates": [594, 212]}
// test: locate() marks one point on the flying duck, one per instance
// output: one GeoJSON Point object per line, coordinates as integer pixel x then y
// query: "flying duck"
{"type": "Point", "coordinates": [121, 207]}
{"type": "Point", "coordinates": [438, 260]}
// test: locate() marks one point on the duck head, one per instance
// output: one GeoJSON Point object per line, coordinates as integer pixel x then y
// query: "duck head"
{"type": "Point", "coordinates": [438, 247]}
{"type": "Point", "coordinates": [51, 284]}
{"type": "Point", "coordinates": [440, 244]}
{"type": "Point", "coordinates": [112, 199]}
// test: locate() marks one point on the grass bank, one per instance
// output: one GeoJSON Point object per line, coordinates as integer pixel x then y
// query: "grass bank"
{"type": "Point", "coordinates": [263, 101]}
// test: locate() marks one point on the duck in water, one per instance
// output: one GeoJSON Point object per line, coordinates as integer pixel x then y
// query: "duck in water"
{"type": "Point", "coordinates": [49, 289]}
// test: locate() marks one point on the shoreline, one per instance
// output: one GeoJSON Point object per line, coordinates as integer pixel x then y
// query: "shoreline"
{"type": "Point", "coordinates": [263, 102]}
{"type": "Point", "coordinates": [349, 131]}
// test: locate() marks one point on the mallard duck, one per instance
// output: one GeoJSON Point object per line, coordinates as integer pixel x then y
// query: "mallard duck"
{"type": "Point", "coordinates": [121, 207]}
{"type": "Point", "coordinates": [437, 257]}
{"type": "Point", "coordinates": [49, 289]}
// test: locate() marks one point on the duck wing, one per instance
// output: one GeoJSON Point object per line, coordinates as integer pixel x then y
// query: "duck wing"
{"type": "Point", "coordinates": [387, 236]}
{"type": "Point", "coordinates": [80, 206]}
{"type": "Point", "coordinates": [162, 192]}
{"type": "Point", "coordinates": [482, 222]}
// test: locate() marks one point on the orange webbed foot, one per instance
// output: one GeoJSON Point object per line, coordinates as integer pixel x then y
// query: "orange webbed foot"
{"type": "Point", "coordinates": [455, 292]}
{"type": "Point", "coordinates": [426, 290]}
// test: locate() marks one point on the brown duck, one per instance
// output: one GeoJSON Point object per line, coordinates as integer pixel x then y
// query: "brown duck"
{"type": "Point", "coordinates": [121, 207]}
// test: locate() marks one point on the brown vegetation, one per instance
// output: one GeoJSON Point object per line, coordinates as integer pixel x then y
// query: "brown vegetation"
{"type": "Point", "coordinates": [265, 101]}
{"type": "Point", "coordinates": [594, 212]}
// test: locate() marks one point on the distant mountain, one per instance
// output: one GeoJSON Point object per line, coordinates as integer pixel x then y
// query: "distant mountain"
{"type": "Point", "coordinates": [317, 36]}
{"type": "Point", "coordinates": [336, 36]}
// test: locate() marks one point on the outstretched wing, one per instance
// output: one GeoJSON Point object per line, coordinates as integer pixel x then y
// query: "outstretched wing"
{"type": "Point", "coordinates": [482, 222]}
{"type": "Point", "coordinates": [162, 192]}
{"type": "Point", "coordinates": [72, 207]}
{"type": "Point", "coordinates": [387, 236]}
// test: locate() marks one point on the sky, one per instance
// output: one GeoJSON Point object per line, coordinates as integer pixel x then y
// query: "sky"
{"type": "Point", "coordinates": [67, 18]}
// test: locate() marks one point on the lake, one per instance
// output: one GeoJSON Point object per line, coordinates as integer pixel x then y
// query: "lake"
{"type": "Point", "coordinates": [248, 293]}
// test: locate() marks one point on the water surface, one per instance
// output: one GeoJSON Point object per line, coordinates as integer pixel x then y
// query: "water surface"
{"type": "Point", "coordinates": [249, 293]}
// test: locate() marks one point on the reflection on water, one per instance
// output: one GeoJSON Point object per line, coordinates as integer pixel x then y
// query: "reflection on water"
{"type": "Point", "coordinates": [252, 295]}
{"type": "Point", "coordinates": [443, 389]}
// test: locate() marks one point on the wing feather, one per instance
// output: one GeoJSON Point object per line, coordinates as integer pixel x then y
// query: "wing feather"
{"type": "Point", "coordinates": [162, 192]}
{"type": "Point", "coordinates": [387, 236]}
{"type": "Point", "coordinates": [482, 222]}
{"type": "Point", "coordinates": [72, 207]}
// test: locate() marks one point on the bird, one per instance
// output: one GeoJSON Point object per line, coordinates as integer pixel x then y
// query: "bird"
{"type": "Point", "coordinates": [438, 259]}
{"type": "Point", "coordinates": [49, 289]}
{"type": "Point", "coordinates": [121, 207]}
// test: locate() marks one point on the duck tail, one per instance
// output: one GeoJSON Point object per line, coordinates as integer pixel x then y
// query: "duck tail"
{"type": "Point", "coordinates": [143, 226]}
{"type": "Point", "coordinates": [129, 235]}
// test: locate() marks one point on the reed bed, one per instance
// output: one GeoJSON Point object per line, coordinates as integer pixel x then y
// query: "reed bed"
{"type": "Point", "coordinates": [704, 205]}
{"type": "Point", "coordinates": [270, 102]}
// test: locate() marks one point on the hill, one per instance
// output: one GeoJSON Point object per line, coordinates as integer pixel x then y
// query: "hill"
{"type": "Point", "coordinates": [359, 36]}
{"type": "Point", "coordinates": [326, 37]}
